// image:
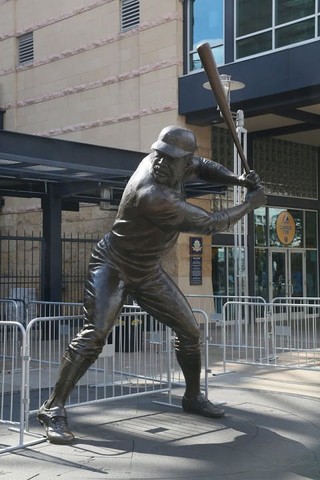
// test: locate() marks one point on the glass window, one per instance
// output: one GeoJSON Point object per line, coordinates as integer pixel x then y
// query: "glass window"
{"type": "Point", "coordinates": [285, 228]}
{"type": "Point", "coordinates": [253, 15]}
{"type": "Point", "coordinates": [298, 240]}
{"type": "Point", "coordinates": [273, 215]}
{"type": "Point", "coordinates": [205, 25]}
{"type": "Point", "coordinates": [254, 44]}
{"type": "Point", "coordinates": [312, 273]}
{"type": "Point", "coordinates": [311, 229]}
{"type": "Point", "coordinates": [258, 24]}
{"type": "Point", "coordinates": [219, 271]}
{"type": "Point", "coordinates": [260, 225]}
{"type": "Point", "coordinates": [231, 275]}
{"type": "Point", "coordinates": [295, 33]}
{"type": "Point", "coordinates": [261, 273]}
{"type": "Point", "coordinates": [289, 10]}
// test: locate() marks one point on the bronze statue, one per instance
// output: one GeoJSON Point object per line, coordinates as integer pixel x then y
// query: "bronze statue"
{"type": "Point", "coordinates": [152, 213]}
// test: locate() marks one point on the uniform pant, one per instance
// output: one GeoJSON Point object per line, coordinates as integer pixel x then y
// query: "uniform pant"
{"type": "Point", "coordinates": [106, 291]}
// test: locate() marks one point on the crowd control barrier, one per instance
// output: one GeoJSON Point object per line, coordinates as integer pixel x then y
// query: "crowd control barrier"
{"type": "Point", "coordinates": [13, 385]}
{"type": "Point", "coordinates": [12, 310]}
{"type": "Point", "coordinates": [138, 359]}
{"type": "Point", "coordinates": [276, 334]}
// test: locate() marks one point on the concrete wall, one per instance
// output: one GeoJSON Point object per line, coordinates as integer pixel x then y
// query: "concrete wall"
{"type": "Point", "coordinates": [89, 81]}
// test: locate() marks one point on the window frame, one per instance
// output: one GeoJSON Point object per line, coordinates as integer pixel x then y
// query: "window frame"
{"type": "Point", "coordinates": [274, 28]}
{"type": "Point", "coordinates": [191, 51]}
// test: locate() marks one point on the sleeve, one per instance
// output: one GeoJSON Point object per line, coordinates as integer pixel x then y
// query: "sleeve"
{"type": "Point", "coordinates": [172, 212]}
{"type": "Point", "coordinates": [211, 172]}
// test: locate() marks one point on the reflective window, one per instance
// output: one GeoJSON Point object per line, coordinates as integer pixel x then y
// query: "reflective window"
{"type": "Point", "coordinates": [312, 273]}
{"type": "Point", "coordinates": [254, 44]}
{"type": "Point", "coordinates": [253, 15]}
{"type": "Point", "coordinates": [298, 32]}
{"type": "Point", "coordinates": [223, 271]}
{"type": "Point", "coordinates": [262, 26]}
{"type": "Point", "coordinates": [219, 271]}
{"type": "Point", "coordinates": [290, 10]}
{"type": "Point", "coordinates": [205, 25]}
{"type": "Point", "coordinates": [260, 225]}
{"type": "Point", "coordinates": [285, 228]}
{"type": "Point", "coordinates": [311, 229]}
{"type": "Point", "coordinates": [261, 273]}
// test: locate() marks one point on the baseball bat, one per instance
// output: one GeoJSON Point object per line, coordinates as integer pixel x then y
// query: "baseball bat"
{"type": "Point", "coordinates": [210, 67]}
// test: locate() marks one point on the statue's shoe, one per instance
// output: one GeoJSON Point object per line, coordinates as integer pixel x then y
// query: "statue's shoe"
{"type": "Point", "coordinates": [55, 423]}
{"type": "Point", "coordinates": [202, 406]}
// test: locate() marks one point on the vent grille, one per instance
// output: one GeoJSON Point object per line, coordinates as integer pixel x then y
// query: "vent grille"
{"type": "Point", "coordinates": [25, 46]}
{"type": "Point", "coordinates": [130, 14]}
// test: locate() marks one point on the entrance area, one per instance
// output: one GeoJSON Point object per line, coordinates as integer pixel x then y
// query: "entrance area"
{"type": "Point", "coordinates": [287, 273]}
{"type": "Point", "coordinates": [285, 256]}
{"type": "Point", "coordinates": [286, 253]}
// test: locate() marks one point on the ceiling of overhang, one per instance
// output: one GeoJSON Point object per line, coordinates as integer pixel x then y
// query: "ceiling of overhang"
{"type": "Point", "coordinates": [75, 172]}
{"type": "Point", "coordinates": [29, 164]}
{"type": "Point", "coordinates": [295, 122]}
{"type": "Point", "coordinates": [301, 124]}
{"type": "Point", "coordinates": [30, 178]}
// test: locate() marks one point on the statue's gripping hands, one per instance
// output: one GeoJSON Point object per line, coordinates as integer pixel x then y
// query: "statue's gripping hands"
{"type": "Point", "coordinates": [127, 261]}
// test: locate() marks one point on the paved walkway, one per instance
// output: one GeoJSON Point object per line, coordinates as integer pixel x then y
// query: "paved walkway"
{"type": "Point", "coordinates": [271, 432]}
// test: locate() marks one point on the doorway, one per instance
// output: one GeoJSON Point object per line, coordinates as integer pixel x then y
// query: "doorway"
{"type": "Point", "coordinates": [287, 273]}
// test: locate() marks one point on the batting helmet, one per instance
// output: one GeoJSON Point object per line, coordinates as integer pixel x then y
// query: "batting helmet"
{"type": "Point", "coordinates": [175, 141]}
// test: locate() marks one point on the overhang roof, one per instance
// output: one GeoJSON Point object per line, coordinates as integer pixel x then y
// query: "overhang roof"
{"type": "Point", "coordinates": [28, 163]}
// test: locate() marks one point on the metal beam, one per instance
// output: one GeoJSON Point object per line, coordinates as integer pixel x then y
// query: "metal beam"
{"type": "Point", "coordinates": [52, 247]}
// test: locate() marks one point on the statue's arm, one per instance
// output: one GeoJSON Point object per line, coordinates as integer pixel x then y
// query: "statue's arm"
{"type": "Point", "coordinates": [213, 172]}
{"type": "Point", "coordinates": [173, 212]}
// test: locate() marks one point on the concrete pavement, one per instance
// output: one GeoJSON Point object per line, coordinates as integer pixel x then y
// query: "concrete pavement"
{"type": "Point", "coordinates": [271, 431]}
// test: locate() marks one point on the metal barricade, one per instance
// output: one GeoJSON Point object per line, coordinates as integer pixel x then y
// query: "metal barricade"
{"type": "Point", "coordinates": [130, 364]}
{"type": "Point", "coordinates": [299, 300]}
{"type": "Point", "coordinates": [12, 309]}
{"type": "Point", "coordinates": [137, 360]}
{"type": "Point", "coordinates": [36, 309]}
{"type": "Point", "coordinates": [245, 332]}
{"type": "Point", "coordinates": [295, 334]}
{"type": "Point", "coordinates": [276, 334]}
{"type": "Point", "coordinates": [12, 383]}
{"type": "Point", "coordinates": [212, 305]}
{"type": "Point", "coordinates": [177, 377]}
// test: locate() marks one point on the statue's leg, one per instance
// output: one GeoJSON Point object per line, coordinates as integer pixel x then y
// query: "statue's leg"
{"type": "Point", "coordinates": [162, 299]}
{"type": "Point", "coordinates": [103, 300]}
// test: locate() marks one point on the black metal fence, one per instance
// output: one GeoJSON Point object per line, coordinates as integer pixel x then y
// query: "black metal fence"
{"type": "Point", "coordinates": [76, 252]}
{"type": "Point", "coordinates": [21, 266]}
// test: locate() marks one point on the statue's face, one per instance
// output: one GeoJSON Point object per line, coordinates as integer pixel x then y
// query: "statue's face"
{"type": "Point", "coordinates": [169, 170]}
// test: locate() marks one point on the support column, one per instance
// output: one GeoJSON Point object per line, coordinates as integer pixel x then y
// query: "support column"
{"type": "Point", "coordinates": [52, 246]}
{"type": "Point", "coordinates": [251, 228]}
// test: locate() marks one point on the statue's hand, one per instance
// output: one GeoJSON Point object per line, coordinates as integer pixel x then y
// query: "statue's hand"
{"type": "Point", "coordinates": [256, 198]}
{"type": "Point", "coordinates": [250, 180]}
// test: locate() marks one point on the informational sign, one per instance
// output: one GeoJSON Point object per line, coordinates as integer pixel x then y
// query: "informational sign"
{"type": "Point", "coordinates": [196, 245]}
{"type": "Point", "coordinates": [195, 270]}
{"type": "Point", "coordinates": [285, 228]}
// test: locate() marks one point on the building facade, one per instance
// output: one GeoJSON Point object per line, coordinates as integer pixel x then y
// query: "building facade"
{"type": "Point", "coordinates": [113, 73]}
{"type": "Point", "coordinates": [270, 47]}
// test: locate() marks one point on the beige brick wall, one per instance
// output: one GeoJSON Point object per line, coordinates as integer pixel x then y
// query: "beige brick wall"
{"type": "Point", "coordinates": [87, 75]}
